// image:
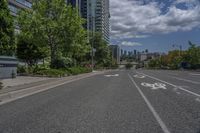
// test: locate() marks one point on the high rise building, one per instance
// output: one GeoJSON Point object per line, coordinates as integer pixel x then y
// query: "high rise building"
{"type": "Point", "coordinates": [16, 5]}
{"type": "Point", "coordinates": [97, 15]}
{"type": "Point", "coordinates": [75, 3]}
{"type": "Point", "coordinates": [116, 52]}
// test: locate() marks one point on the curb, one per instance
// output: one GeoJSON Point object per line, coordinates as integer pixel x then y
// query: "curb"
{"type": "Point", "coordinates": [18, 94]}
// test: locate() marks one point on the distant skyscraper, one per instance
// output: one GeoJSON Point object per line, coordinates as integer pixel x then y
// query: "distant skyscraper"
{"type": "Point", "coordinates": [121, 51]}
{"type": "Point", "coordinates": [135, 52]}
{"type": "Point", "coordinates": [125, 52]}
{"type": "Point", "coordinates": [116, 52]}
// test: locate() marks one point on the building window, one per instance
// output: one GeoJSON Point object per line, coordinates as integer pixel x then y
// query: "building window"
{"type": "Point", "coordinates": [13, 9]}
{"type": "Point", "coordinates": [25, 3]}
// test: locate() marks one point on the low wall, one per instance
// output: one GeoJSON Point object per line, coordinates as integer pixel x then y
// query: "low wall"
{"type": "Point", "coordinates": [8, 67]}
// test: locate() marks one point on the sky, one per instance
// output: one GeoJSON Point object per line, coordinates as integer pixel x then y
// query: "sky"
{"type": "Point", "coordinates": [155, 25]}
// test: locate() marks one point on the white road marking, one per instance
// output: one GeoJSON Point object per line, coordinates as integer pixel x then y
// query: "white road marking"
{"type": "Point", "coordinates": [155, 114]}
{"type": "Point", "coordinates": [115, 75]}
{"type": "Point", "coordinates": [174, 74]}
{"type": "Point", "coordinates": [195, 74]}
{"type": "Point", "coordinates": [197, 99]}
{"type": "Point", "coordinates": [154, 86]}
{"type": "Point", "coordinates": [139, 76]}
{"type": "Point", "coordinates": [186, 80]}
{"type": "Point", "coordinates": [178, 87]}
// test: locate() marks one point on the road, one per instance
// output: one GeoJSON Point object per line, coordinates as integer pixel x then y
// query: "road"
{"type": "Point", "coordinates": [123, 101]}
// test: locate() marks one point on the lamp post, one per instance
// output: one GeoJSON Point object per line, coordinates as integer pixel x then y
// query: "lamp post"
{"type": "Point", "coordinates": [93, 30]}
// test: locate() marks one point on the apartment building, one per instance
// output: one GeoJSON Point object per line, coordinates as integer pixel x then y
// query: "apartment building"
{"type": "Point", "coordinates": [75, 3]}
{"type": "Point", "coordinates": [16, 5]}
{"type": "Point", "coordinates": [97, 15]}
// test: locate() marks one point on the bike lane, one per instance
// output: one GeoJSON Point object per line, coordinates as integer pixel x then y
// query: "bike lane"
{"type": "Point", "coordinates": [179, 110]}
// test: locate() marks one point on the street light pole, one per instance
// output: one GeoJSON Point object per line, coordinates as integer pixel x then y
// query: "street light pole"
{"type": "Point", "coordinates": [93, 30]}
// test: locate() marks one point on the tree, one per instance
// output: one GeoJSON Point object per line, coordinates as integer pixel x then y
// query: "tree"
{"type": "Point", "coordinates": [29, 52]}
{"type": "Point", "coordinates": [174, 59]}
{"type": "Point", "coordinates": [7, 45]}
{"type": "Point", "coordinates": [193, 56]}
{"type": "Point", "coordinates": [57, 26]}
{"type": "Point", "coordinates": [103, 53]}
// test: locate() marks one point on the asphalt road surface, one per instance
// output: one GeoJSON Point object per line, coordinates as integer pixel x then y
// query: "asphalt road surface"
{"type": "Point", "coordinates": [134, 101]}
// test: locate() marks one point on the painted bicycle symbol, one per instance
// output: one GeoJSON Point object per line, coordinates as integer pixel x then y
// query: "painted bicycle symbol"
{"type": "Point", "coordinates": [155, 86]}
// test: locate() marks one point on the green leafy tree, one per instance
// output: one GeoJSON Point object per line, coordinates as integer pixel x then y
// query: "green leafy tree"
{"type": "Point", "coordinates": [57, 26]}
{"type": "Point", "coordinates": [103, 53]}
{"type": "Point", "coordinates": [7, 45]}
{"type": "Point", "coordinates": [29, 52]}
{"type": "Point", "coordinates": [193, 56]}
{"type": "Point", "coordinates": [174, 59]}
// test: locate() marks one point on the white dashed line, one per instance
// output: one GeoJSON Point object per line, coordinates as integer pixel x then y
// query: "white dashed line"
{"type": "Point", "coordinates": [195, 74]}
{"type": "Point", "coordinates": [186, 80]}
{"type": "Point", "coordinates": [155, 114]}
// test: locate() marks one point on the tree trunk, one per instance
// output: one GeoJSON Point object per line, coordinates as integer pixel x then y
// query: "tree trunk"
{"type": "Point", "coordinates": [53, 57]}
{"type": "Point", "coordinates": [52, 50]}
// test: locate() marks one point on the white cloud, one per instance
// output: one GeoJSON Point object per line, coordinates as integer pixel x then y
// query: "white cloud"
{"type": "Point", "coordinates": [130, 44]}
{"type": "Point", "coordinates": [134, 19]}
{"type": "Point", "coordinates": [186, 1]}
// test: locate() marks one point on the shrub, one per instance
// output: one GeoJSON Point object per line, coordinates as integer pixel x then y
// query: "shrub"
{"type": "Point", "coordinates": [61, 62]}
{"type": "Point", "coordinates": [21, 69]}
{"type": "Point", "coordinates": [129, 66]}
{"type": "Point", "coordinates": [40, 68]}
{"type": "Point", "coordinates": [114, 66]}
{"type": "Point", "coordinates": [51, 73]}
{"type": "Point", "coordinates": [78, 70]}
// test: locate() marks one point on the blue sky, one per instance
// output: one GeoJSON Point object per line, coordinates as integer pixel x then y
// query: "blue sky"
{"type": "Point", "coordinates": [154, 24]}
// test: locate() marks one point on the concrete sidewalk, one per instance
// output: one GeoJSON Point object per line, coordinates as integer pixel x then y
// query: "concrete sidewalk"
{"type": "Point", "coordinates": [11, 93]}
{"type": "Point", "coordinates": [22, 80]}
